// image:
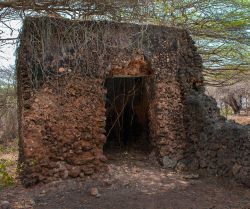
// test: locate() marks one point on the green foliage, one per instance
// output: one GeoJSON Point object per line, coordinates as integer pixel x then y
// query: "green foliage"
{"type": "Point", "coordinates": [226, 111]}
{"type": "Point", "coordinates": [228, 76]}
{"type": "Point", "coordinates": [10, 148]}
{"type": "Point", "coordinates": [221, 29]}
{"type": "Point", "coordinates": [1, 148]}
{"type": "Point", "coordinates": [8, 165]}
{"type": "Point", "coordinates": [5, 178]}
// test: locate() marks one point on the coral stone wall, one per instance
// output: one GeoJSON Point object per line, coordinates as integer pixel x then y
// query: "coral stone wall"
{"type": "Point", "coordinates": [62, 67]}
{"type": "Point", "coordinates": [215, 146]}
{"type": "Point", "coordinates": [61, 70]}
{"type": "Point", "coordinates": [166, 122]}
{"type": "Point", "coordinates": [63, 131]}
{"type": "Point", "coordinates": [220, 147]}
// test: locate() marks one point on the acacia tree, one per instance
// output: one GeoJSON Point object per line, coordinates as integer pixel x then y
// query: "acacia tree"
{"type": "Point", "coordinates": [220, 27]}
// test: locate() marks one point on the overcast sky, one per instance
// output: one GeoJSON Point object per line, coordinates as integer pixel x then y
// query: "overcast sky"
{"type": "Point", "coordinates": [7, 54]}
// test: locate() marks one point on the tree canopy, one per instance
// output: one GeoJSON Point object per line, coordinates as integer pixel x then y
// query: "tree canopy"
{"type": "Point", "coordinates": [221, 28]}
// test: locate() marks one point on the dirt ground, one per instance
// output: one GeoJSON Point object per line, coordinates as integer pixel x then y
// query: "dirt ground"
{"type": "Point", "coordinates": [132, 181]}
{"type": "Point", "coordinates": [241, 119]}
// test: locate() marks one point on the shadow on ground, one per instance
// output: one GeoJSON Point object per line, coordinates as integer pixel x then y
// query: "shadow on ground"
{"type": "Point", "coordinates": [134, 182]}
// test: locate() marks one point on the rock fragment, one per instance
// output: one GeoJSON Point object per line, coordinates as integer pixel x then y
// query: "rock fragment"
{"type": "Point", "coordinates": [5, 205]}
{"type": "Point", "coordinates": [94, 192]}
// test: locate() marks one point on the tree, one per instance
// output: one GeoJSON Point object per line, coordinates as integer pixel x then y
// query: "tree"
{"type": "Point", "coordinates": [221, 30]}
{"type": "Point", "coordinates": [236, 96]}
{"type": "Point", "coordinates": [220, 27]}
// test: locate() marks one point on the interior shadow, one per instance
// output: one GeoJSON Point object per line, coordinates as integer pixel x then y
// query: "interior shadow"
{"type": "Point", "coordinates": [127, 115]}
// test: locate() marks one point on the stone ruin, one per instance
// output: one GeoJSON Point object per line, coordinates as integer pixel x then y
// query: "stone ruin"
{"type": "Point", "coordinates": [78, 79]}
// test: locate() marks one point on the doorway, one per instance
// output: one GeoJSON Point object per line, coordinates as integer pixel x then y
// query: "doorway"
{"type": "Point", "coordinates": [127, 104]}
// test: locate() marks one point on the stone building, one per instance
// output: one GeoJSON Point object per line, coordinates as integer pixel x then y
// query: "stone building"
{"type": "Point", "coordinates": [82, 85]}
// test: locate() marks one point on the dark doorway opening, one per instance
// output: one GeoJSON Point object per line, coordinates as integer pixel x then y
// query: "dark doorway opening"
{"type": "Point", "coordinates": [127, 126]}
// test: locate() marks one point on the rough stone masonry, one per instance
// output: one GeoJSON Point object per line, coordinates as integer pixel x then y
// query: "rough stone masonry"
{"type": "Point", "coordinates": [61, 70]}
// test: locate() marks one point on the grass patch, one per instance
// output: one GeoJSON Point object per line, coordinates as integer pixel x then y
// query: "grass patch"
{"type": "Point", "coordinates": [226, 111]}
{"type": "Point", "coordinates": [6, 179]}
{"type": "Point", "coordinates": [9, 148]}
{"type": "Point", "coordinates": [8, 163]}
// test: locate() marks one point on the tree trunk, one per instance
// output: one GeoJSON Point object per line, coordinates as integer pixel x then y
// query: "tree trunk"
{"type": "Point", "coordinates": [232, 102]}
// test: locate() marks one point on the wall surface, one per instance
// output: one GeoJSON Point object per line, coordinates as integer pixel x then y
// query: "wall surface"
{"type": "Point", "coordinates": [215, 146]}
{"type": "Point", "coordinates": [61, 69]}
{"type": "Point", "coordinates": [63, 131]}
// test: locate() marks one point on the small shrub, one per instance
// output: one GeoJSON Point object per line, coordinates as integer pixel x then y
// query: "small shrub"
{"type": "Point", "coordinates": [5, 178]}
{"type": "Point", "coordinates": [226, 111]}
{"type": "Point", "coordinates": [1, 148]}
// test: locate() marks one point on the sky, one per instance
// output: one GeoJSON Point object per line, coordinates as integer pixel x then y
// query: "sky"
{"type": "Point", "coordinates": [7, 54]}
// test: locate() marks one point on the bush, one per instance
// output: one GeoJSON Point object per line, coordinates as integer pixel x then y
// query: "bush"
{"type": "Point", "coordinates": [226, 111]}
{"type": "Point", "coordinates": [5, 178]}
